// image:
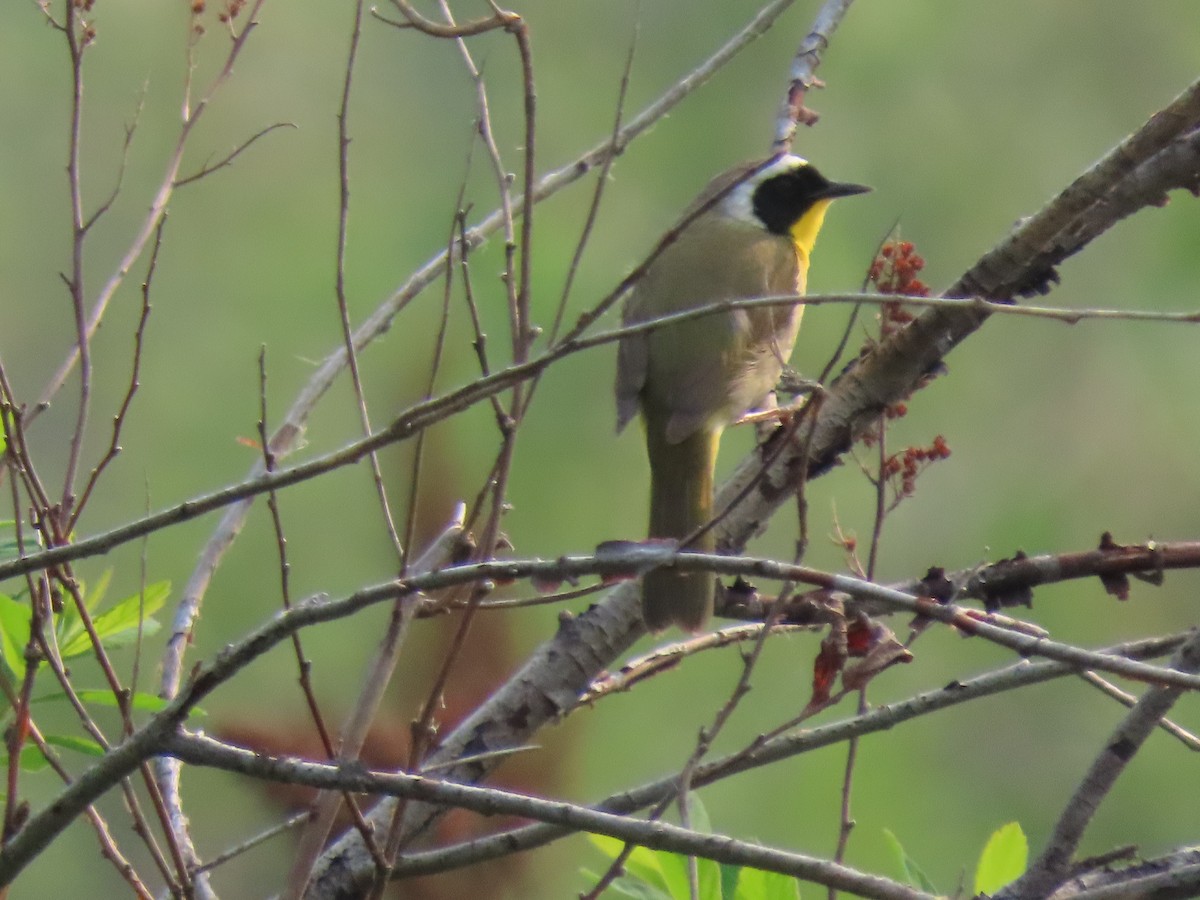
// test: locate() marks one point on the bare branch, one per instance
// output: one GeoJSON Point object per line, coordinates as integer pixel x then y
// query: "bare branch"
{"type": "Point", "coordinates": [786, 746]}
{"type": "Point", "coordinates": [1053, 865]}
{"type": "Point", "coordinates": [288, 434]}
{"type": "Point", "coordinates": [803, 79]}
{"type": "Point", "coordinates": [656, 835]}
{"type": "Point", "coordinates": [149, 224]}
{"type": "Point", "coordinates": [139, 337]}
{"type": "Point", "coordinates": [1176, 874]}
{"type": "Point", "coordinates": [1185, 737]}
{"type": "Point", "coordinates": [227, 159]}
{"type": "Point", "coordinates": [500, 19]}
{"type": "Point", "coordinates": [896, 366]}
{"type": "Point", "coordinates": [421, 415]}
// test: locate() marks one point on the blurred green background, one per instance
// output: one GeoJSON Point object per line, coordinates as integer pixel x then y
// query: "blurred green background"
{"type": "Point", "coordinates": [965, 116]}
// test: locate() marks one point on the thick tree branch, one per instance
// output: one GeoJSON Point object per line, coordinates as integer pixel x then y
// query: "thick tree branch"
{"type": "Point", "coordinates": [785, 746]}
{"type": "Point", "coordinates": [564, 665]}
{"type": "Point", "coordinates": [1053, 865]}
{"type": "Point", "coordinates": [204, 751]}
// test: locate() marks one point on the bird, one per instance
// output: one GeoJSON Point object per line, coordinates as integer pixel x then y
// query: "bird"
{"type": "Point", "coordinates": [749, 233]}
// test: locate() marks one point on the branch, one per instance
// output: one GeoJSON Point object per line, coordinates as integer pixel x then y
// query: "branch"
{"type": "Point", "coordinates": [564, 665]}
{"type": "Point", "coordinates": [803, 79]}
{"type": "Point", "coordinates": [1175, 875]}
{"type": "Point", "coordinates": [543, 689]}
{"type": "Point", "coordinates": [1008, 582]}
{"type": "Point", "coordinates": [786, 746]}
{"type": "Point", "coordinates": [204, 751]}
{"type": "Point", "coordinates": [421, 415]}
{"type": "Point", "coordinates": [1052, 866]}
{"type": "Point", "coordinates": [289, 434]}
{"type": "Point", "coordinates": [894, 369]}
{"type": "Point", "coordinates": [227, 160]}
{"type": "Point", "coordinates": [149, 224]}
{"type": "Point", "coordinates": [499, 19]}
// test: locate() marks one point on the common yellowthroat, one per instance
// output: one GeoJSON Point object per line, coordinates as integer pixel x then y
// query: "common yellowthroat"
{"type": "Point", "coordinates": [691, 379]}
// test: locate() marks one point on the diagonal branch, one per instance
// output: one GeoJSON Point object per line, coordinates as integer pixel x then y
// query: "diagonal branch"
{"type": "Point", "coordinates": [205, 751]}
{"type": "Point", "coordinates": [290, 433]}
{"type": "Point", "coordinates": [1022, 261]}
{"type": "Point", "coordinates": [765, 753]}
{"type": "Point", "coordinates": [563, 666]}
{"type": "Point", "coordinates": [1053, 866]}
{"type": "Point", "coordinates": [543, 691]}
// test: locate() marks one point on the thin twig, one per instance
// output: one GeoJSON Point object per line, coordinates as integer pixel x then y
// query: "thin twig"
{"type": "Point", "coordinates": [804, 65]}
{"type": "Point", "coordinates": [665, 658]}
{"type": "Point", "coordinates": [343, 306]}
{"type": "Point", "coordinates": [354, 729]}
{"type": "Point", "coordinates": [76, 45]}
{"type": "Point", "coordinates": [499, 19]}
{"type": "Point", "coordinates": [480, 338]}
{"type": "Point", "coordinates": [1185, 737]}
{"type": "Point", "coordinates": [139, 339]}
{"type": "Point", "coordinates": [204, 751]}
{"type": "Point", "coordinates": [845, 816]}
{"type": "Point", "coordinates": [768, 752]}
{"type": "Point", "coordinates": [157, 207]}
{"type": "Point", "coordinates": [250, 843]}
{"type": "Point", "coordinates": [1052, 866]}
{"type": "Point", "coordinates": [303, 664]}
{"type": "Point", "coordinates": [227, 160]}
{"type": "Point", "coordinates": [325, 806]}
{"type": "Point", "coordinates": [517, 290]}
{"type": "Point", "coordinates": [589, 220]}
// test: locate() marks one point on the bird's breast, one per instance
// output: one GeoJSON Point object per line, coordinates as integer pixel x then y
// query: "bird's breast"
{"type": "Point", "coordinates": [706, 372]}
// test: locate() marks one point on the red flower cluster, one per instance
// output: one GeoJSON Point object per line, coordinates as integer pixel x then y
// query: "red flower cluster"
{"type": "Point", "coordinates": [903, 468]}
{"type": "Point", "coordinates": [895, 269]}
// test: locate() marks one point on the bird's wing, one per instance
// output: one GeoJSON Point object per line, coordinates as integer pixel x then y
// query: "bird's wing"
{"type": "Point", "coordinates": [632, 359]}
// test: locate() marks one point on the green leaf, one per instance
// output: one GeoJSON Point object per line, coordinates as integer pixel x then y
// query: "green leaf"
{"type": "Point", "coordinates": [697, 814]}
{"type": "Point", "coordinates": [639, 890]}
{"type": "Point", "coordinates": [675, 870]}
{"type": "Point", "coordinates": [666, 873]}
{"type": "Point", "coordinates": [32, 759]}
{"type": "Point", "coordinates": [14, 633]}
{"type": "Point", "coordinates": [70, 625]}
{"type": "Point", "coordinates": [906, 866]}
{"type": "Point", "coordinates": [755, 884]}
{"type": "Point", "coordinates": [1003, 859]}
{"type": "Point", "coordinates": [627, 886]}
{"type": "Point", "coordinates": [95, 596]}
{"type": "Point", "coordinates": [119, 625]}
{"type": "Point", "coordinates": [78, 744]}
{"type": "Point", "coordinates": [729, 880]}
{"type": "Point", "coordinates": [643, 863]}
{"type": "Point", "coordinates": [709, 873]}
{"type": "Point", "coordinates": [124, 617]}
{"type": "Point", "coordinates": [140, 702]}
{"type": "Point", "coordinates": [8, 531]}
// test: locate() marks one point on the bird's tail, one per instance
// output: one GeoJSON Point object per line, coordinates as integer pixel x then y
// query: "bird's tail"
{"type": "Point", "coordinates": [681, 501]}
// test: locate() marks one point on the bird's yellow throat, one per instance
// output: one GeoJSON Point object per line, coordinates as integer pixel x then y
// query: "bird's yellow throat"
{"type": "Point", "coordinates": [804, 232]}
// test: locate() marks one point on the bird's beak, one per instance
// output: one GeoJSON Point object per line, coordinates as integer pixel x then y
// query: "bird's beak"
{"type": "Point", "coordinates": [839, 189]}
